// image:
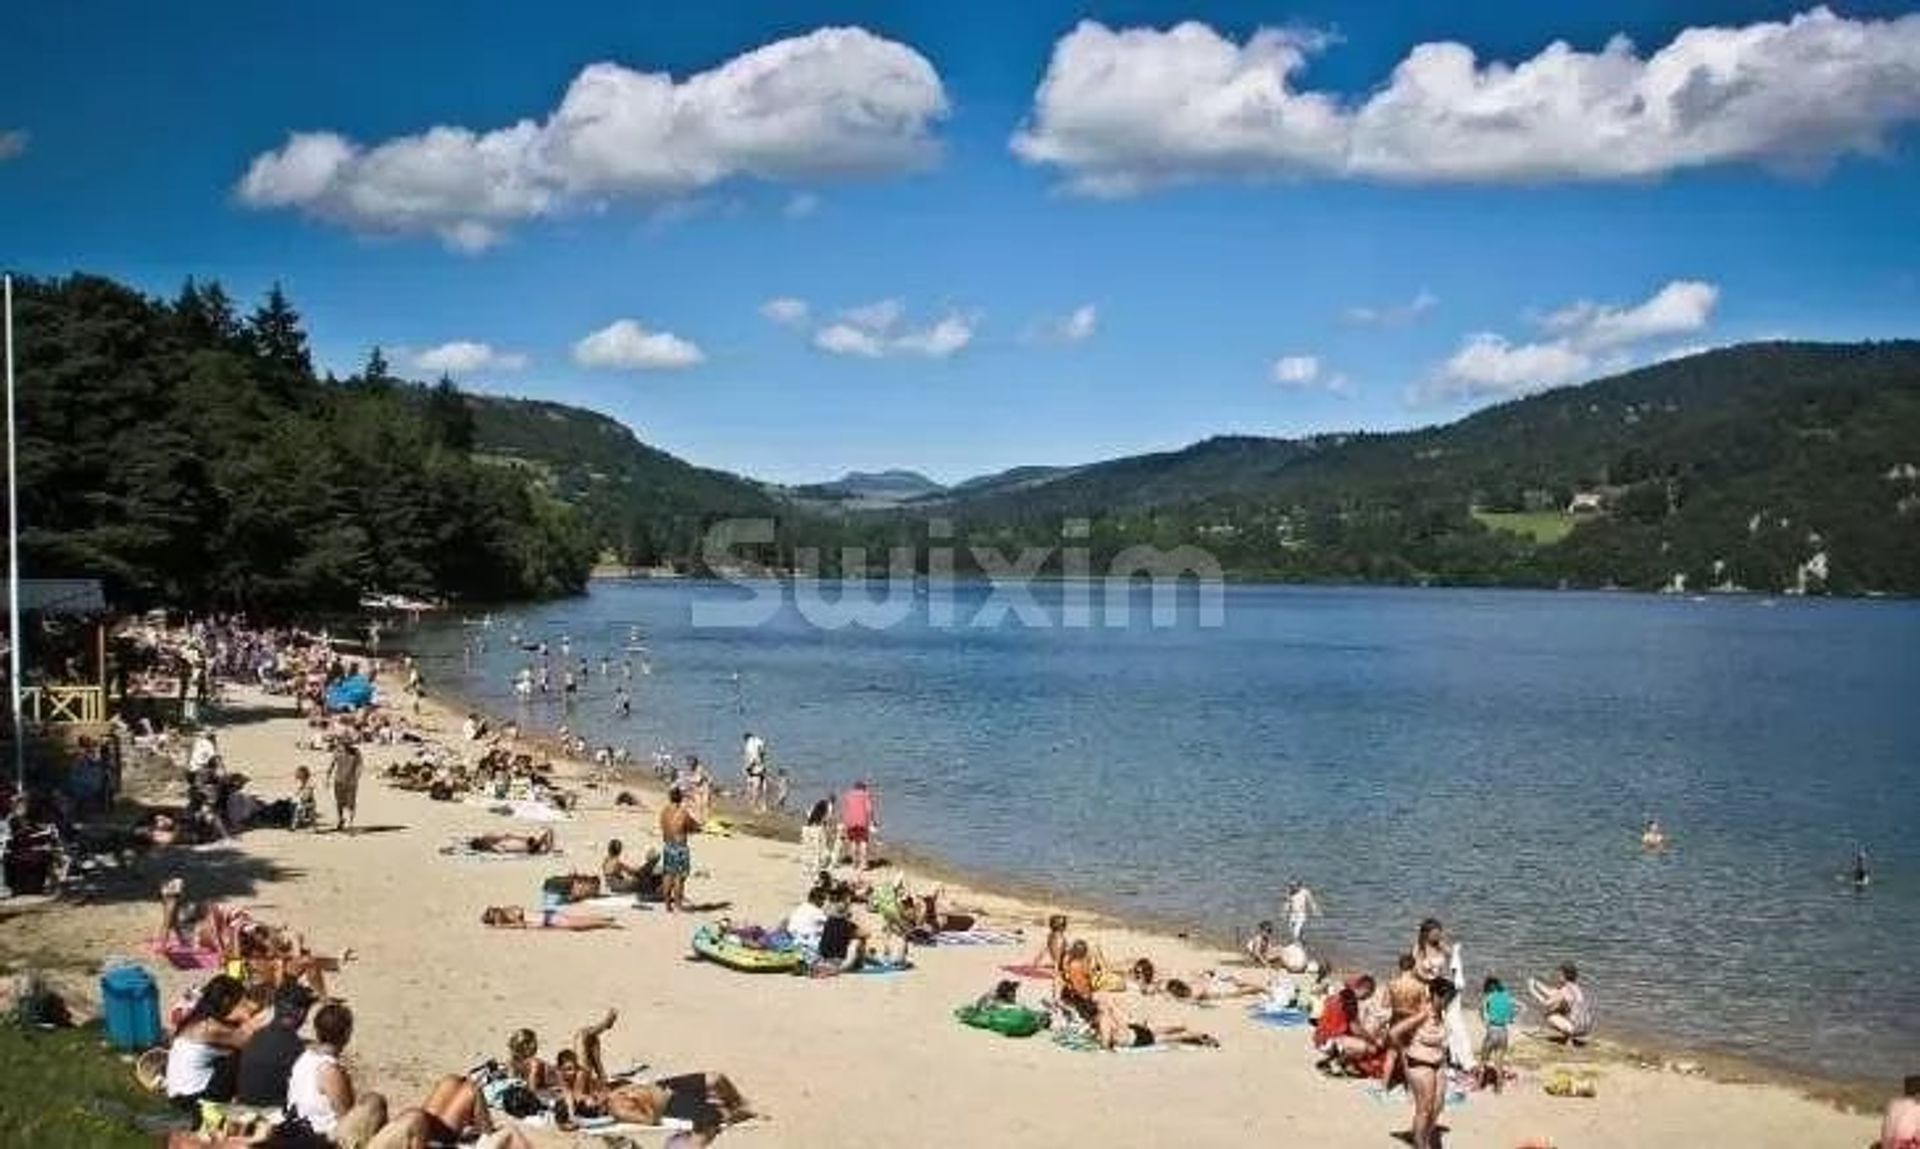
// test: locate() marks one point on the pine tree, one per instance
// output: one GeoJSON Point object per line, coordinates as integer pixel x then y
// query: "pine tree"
{"type": "Point", "coordinates": [276, 334]}
{"type": "Point", "coordinates": [447, 411]}
{"type": "Point", "coordinates": [376, 370]}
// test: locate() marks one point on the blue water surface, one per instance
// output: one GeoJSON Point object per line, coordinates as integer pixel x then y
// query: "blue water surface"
{"type": "Point", "coordinates": [1483, 756]}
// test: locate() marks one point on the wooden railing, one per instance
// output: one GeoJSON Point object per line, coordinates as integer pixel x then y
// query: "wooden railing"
{"type": "Point", "coordinates": [43, 705]}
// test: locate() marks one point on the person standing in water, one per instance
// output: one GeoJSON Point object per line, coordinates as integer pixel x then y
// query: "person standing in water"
{"type": "Point", "coordinates": [1652, 837]}
{"type": "Point", "coordinates": [1300, 905]}
{"type": "Point", "coordinates": [858, 819]}
{"type": "Point", "coordinates": [676, 858]}
{"type": "Point", "coordinates": [1862, 876]}
{"type": "Point", "coordinates": [623, 703]}
{"type": "Point", "coordinates": [753, 764]}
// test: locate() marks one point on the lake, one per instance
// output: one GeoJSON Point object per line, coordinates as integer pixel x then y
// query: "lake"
{"type": "Point", "coordinates": [1486, 757]}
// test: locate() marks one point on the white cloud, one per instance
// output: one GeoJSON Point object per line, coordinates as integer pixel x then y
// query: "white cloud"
{"type": "Point", "coordinates": [846, 339]}
{"type": "Point", "coordinates": [464, 357]}
{"type": "Point", "coordinates": [1396, 315]}
{"type": "Point", "coordinates": [1296, 370]}
{"type": "Point", "coordinates": [800, 205]}
{"type": "Point", "coordinates": [786, 310]}
{"type": "Point", "coordinates": [837, 102]}
{"type": "Point", "coordinates": [1077, 326]}
{"type": "Point", "coordinates": [626, 345]}
{"type": "Point", "coordinates": [1591, 337]}
{"type": "Point", "coordinates": [877, 317]}
{"type": "Point", "coordinates": [13, 142]}
{"type": "Point", "coordinates": [874, 331]}
{"type": "Point", "coordinates": [1680, 308]}
{"type": "Point", "coordinates": [947, 336]}
{"type": "Point", "coordinates": [1125, 111]}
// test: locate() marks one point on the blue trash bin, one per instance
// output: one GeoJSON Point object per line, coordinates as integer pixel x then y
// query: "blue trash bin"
{"type": "Point", "coordinates": [130, 1003]}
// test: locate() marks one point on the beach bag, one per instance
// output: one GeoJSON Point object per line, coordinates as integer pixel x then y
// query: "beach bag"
{"type": "Point", "coordinates": [511, 1096]}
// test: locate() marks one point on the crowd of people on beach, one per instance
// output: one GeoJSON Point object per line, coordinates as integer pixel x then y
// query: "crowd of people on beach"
{"type": "Point", "coordinates": [255, 1052]}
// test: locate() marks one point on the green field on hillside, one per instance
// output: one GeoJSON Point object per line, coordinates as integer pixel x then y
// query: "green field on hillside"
{"type": "Point", "coordinates": [1543, 527]}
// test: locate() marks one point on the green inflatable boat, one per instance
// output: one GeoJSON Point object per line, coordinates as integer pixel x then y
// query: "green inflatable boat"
{"type": "Point", "coordinates": [716, 945]}
{"type": "Point", "coordinates": [1005, 1020]}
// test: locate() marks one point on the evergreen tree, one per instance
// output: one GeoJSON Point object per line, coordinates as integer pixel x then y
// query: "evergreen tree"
{"type": "Point", "coordinates": [376, 369]}
{"type": "Point", "coordinates": [277, 336]}
{"type": "Point", "coordinates": [447, 411]}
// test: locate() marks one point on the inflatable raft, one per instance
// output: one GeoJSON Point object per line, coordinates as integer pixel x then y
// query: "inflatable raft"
{"type": "Point", "coordinates": [718, 946]}
{"type": "Point", "coordinates": [1005, 1020]}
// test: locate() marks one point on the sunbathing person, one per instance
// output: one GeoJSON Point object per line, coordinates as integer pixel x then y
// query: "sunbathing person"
{"type": "Point", "coordinates": [508, 842]}
{"type": "Point", "coordinates": [515, 918]}
{"type": "Point", "coordinates": [1211, 985]}
{"type": "Point", "coordinates": [707, 1101]}
{"type": "Point", "coordinates": [1116, 1030]}
{"type": "Point", "coordinates": [453, 1109]}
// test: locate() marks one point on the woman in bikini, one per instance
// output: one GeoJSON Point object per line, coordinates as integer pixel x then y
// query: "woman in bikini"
{"type": "Point", "coordinates": [1116, 1030]}
{"type": "Point", "coordinates": [1422, 1039]}
{"type": "Point", "coordinates": [1211, 985]}
{"type": "Point", "coordinates": [515, 918]}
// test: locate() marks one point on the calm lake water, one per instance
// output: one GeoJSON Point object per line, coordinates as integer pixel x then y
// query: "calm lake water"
{"type": "Point", "coordinates": [1485, 757]}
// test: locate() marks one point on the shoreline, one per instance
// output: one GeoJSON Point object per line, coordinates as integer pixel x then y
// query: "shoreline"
{"type": "Point", "coordinates": [433, 993]}
{"type": "Point", "coordinates": [1627, 1047]}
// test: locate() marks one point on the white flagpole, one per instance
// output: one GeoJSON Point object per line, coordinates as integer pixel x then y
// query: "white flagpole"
{"type": "Point", "coordinates": [13, 568]}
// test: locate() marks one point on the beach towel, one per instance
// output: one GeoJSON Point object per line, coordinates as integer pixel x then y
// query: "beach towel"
{"type": "Point", "coordinates": [186, 958]}
{"type": "Point", "coordinates": [876, 968]}
{"type": "Point", "coordinates": [610, 902]}
{"type": "Point", "coordinates": [977, 936]}
{"type": "Point", "coordinates": [524, 809]}
{"type": "Point", "coordinates": [1279, 1017]}
{"type": "Point", "coordinates": [1036, 972]}
{"type": "Point", "coordinates": [1083, 1041]}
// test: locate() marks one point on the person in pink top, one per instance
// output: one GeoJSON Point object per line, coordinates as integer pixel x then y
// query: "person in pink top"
{"type": "Point", "coordinates": [857, 822]}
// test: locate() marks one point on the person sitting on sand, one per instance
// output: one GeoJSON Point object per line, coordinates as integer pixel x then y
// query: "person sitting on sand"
{"type": "Point", "coordinates": [809, 920]}
{"type": "Point", "coordinates": [511, 842]}
{"type": "Point", "coordinates": [321, 1094]}
{"type": "Point", "coordinates": [266, 1061]}
{"type": "Point", "coordinates": [1076, 984]}
{"type": "Point", "coordinates": [615, 874]}
{"type": "Point", "coordinates": [202, 1061]}
{"type": "Point", "coordinates": [515, 918]}
{"type": "Point", "coordinates": [1900, 1124]}
{"type": "Point", "coordinates": [1053, 951]}
{"type": "Point", "coordinates": [1341, 1037]}
{"type": "Point", "coordinates": [1569, 1016]}
{"type": "Point", "coordinates": [1263, 947]}
{"type": "Point", "coordinates": [843, 942]}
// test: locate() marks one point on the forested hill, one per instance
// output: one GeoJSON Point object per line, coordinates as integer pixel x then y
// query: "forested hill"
{"type": "Point", "coordinates": [1769, 467]}
{"type": "Point", "coordinates": [641, 503]}
{"type": "Point", "coordinates": [187, 455]}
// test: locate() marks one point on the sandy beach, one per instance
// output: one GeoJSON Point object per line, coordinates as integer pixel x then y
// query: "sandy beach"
{"type": "Point", "coordinates": [845, 1062]}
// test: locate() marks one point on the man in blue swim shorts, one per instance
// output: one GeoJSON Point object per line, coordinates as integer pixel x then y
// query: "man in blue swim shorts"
{"type": "Point", "coordinates": [676, 860]}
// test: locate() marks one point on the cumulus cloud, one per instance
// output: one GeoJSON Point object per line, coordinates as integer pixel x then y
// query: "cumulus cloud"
{"type": "Point", "coordinates": [624, 344]}
{"type": "Point", "coordinates": [875, 331]}
{"type": "Point", "coordinates": [1679, 308]}
{"type": "Point", "coordinates": [1590, 337]}
{"type": "Point", "coordinates": [1394, 315]}
{"type": "Point", "coordinates": [1296, 370]}
{"type": "Point", "coordinates": [835, 103]}
{"type": "Point", "coordinates": [1125, 111]}
{"type": "Point", "coordinates": [1077, 326]}
{"type": "Point", "coordinates": [464, 357]}
{"type": "Point", "coordinates": [786, 311]}
{"type": "Point", "coordinates": [12, 143]}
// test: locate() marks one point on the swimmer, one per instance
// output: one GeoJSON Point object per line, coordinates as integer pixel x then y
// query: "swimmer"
{"type": "Point", "coordinates": [1862, 876]}
{"type": "Point", "coordinates": [1653, 837]}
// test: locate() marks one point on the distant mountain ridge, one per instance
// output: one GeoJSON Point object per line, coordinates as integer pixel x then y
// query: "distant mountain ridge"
{"type": "Point", "coordinates": [1774, 466]}
{"type": "Point", "coordinates": [880, 487]}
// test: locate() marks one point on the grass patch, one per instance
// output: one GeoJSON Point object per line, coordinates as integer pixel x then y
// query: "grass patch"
{"type": "Point", "coordinates": [1543, 527]}
{"type": "Point", "coordinates": [63, 1090]}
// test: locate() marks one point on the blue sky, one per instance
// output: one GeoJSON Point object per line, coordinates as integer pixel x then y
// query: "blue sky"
{"type": "Point", "coordinates": [1019, 238]}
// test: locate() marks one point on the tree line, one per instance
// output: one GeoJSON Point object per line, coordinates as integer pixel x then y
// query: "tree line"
{"type": "Point", "coordinates": [189, 456]}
